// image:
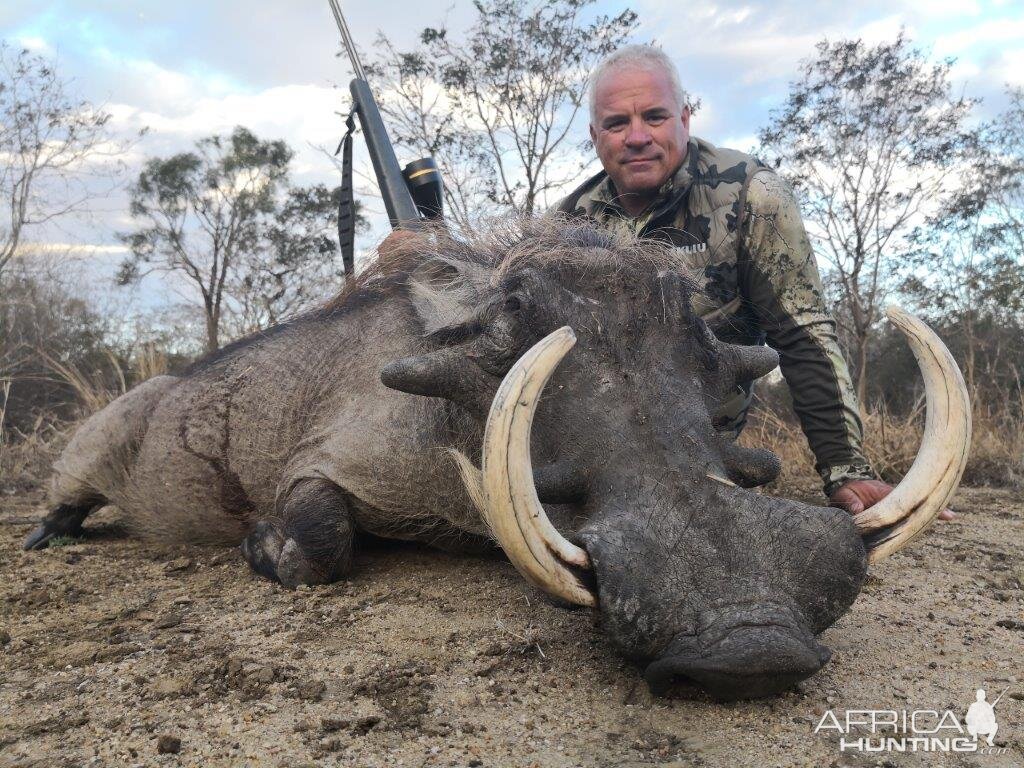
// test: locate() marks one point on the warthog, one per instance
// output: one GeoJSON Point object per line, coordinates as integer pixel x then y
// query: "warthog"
{"type": "Point", "coordinates": [294, 439]}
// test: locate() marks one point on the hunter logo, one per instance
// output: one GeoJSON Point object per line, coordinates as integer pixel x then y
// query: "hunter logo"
{"type": "Point", "coordinates": [694, 248]}
{"type": "Point", "coordinates": [918, 730]}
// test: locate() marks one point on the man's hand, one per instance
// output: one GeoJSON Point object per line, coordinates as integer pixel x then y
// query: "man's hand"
{"type": "Point", "coordinates": [857, 495]}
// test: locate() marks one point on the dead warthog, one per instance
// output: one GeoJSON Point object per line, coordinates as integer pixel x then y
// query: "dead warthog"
{"type": "Point", "coordinates": [566, 398]}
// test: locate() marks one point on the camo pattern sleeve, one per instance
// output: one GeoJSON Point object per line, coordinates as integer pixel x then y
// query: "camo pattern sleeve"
{"type": "Point", "coordinates": [779, 277]}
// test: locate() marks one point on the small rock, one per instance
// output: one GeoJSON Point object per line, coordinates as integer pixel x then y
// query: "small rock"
{"type": "Point", "coordinates": [168, 687]}
{"type": "Point", "coordinates": [436, 729]}
{"type": "Point", "coordinates": [168, 745]}
{"type": "Point", "coordinates": [332, 724]}
{"type": "Point", "coordinates": [262, 675]}
{"type": "Point", "coordinates": [331, 745]}
{"type": "Point", "coordinates": [178, 564]}
{"type": "Point", "coordinates": [80, 654]}
{"type": "Point", "coordinates": [167, 620]}
{"type": "Point", "coordinates": [364, 725]}
{"type": "Point", "coordinates": [465, 699]}
{"type": "Point", "coordinates": [311, 690]}
{"type": "Point", "coordinates": [224, 557]}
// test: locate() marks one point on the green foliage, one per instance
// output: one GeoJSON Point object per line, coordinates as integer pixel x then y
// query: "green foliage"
{"type": "Point", "coordinates": [966, 274]}
{"type": "Point", "coordinates": [495, 107]}
{"type": "Point", "coordinates": [866, 138]}
{"type": "Point", "coordinates": [226, 218]}
{"type": "Point", "coordinates": [61, 541]}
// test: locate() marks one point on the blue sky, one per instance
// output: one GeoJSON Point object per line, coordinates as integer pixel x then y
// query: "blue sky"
{"type": "Point", "coordinates": [189, 69]}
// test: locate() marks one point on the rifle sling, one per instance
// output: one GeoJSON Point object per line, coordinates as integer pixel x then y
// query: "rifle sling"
{"type": "Point", "coordinates": [346, 200]}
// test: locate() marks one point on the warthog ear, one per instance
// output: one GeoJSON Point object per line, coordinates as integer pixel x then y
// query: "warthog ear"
{"type": "Point", "coordinates": [446, 291]}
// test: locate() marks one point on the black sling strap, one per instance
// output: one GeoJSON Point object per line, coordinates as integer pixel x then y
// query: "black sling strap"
{"type": "Point", "coordinates": [346, 200]}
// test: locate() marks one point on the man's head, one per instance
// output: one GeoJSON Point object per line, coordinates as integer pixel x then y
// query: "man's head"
{"type": "Point", "coordinates": [639, 120]}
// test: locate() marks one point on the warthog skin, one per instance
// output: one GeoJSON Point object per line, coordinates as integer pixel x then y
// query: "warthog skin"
{"type": "Point", "coordinates": [343, 420]}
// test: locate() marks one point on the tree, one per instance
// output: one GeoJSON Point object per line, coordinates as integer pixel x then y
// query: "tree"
{"type": "Point", "coordinates": [202, 212]}
{"type": "Point", "coordinates": [968, 270]}
{"type": "Point", "coordinates": [226, 218]}
{"type": "Point", "coordinates": [50, 143]}
{"type": "Point", "coordinates": [296, 263]}
{"type": "Point", "coordinates": [865, 138]}
{"type": "Point", "coordinates": [495, 110]}
{"type": "Point", "coordinates": [1001, 187]}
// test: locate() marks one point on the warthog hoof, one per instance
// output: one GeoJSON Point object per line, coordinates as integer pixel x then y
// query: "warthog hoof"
{"type": "Point", "coordinates": [272, 555]}
{"type": "Point", "coordinates": [62, 521]}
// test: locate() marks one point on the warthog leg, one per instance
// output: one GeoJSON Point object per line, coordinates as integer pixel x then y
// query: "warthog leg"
{"type": "Point", "coordinates": [63, 520]}
{"type": "Point", "coordinates": [309, 541]}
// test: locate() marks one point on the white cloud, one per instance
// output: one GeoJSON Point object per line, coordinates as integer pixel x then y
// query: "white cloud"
{"type": "Point", "coordinates": [35, 44]}
{"type": "Point", "coordinates": [1010, 68]}
{"type": "Point", "coordinates": [191, 69]}
{"type": "Point", "coordinates": [980, 36]}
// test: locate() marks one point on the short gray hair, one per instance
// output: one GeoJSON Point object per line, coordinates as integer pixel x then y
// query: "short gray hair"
{"type": "Point", "coordinates": [639, 57]}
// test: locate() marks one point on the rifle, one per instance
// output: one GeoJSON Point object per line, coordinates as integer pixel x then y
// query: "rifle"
{"type": "Point", "coordinates": [410, 195]}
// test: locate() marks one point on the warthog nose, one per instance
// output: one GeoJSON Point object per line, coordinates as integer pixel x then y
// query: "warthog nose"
{"type": "Point", "coordinates": [750, 662]}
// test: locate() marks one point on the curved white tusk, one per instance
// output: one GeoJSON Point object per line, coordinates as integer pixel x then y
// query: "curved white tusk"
{"type": "Point", "coordinates": [923, 493]}
{"type": "Point", "coordinates": [511, 507]}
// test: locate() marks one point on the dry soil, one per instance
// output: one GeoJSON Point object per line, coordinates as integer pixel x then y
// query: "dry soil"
{"type": "Point", "coordinates": [114, 652]}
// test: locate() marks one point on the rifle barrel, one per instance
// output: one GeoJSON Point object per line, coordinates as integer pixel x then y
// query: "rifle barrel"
{"type": "Point", "coordinates": [398, 201]}
{"type": "Point", "coordinates": [346, 38]}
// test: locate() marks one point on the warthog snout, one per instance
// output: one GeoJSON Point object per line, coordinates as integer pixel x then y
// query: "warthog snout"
{"type": "Point", "coordinates": [752, 654]}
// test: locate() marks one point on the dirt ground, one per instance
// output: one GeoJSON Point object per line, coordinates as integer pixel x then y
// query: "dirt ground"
{"type": "Point", "coordinates": [119, 653]}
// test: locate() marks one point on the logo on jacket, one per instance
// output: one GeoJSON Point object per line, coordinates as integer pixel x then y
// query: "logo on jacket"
{"type": "Point", "coordinates": [695, 248]}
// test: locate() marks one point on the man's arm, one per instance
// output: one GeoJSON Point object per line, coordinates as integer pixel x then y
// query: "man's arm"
{"type": "Point", "coordinates": [779, 277]}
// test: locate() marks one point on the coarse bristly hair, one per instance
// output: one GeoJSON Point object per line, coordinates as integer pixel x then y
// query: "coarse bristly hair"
{"type": "Point", "coordinates": [504, 244]}
{"type": "Point", "coordinates": [494, 247]}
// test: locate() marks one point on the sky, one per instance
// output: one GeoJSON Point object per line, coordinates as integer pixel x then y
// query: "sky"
{"type": "Point", "coordinates": [190, 69]}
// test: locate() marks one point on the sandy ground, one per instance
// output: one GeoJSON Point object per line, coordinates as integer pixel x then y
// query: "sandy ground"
{"type": "Point", "coordinates": [114, 652]}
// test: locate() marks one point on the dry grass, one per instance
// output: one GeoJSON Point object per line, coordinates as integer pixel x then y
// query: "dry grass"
{"type": "Point", "coordinates": [891, 443]}
{"type": "Point", "coordinates": [148, 361]}
{"type": "Point", "coordinates": [26, 456]}
{"type": "Point", "coordinates": [91, 391]}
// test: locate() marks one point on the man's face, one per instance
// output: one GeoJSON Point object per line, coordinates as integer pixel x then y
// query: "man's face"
{"type": "Point", "coordinates": [640, 130]}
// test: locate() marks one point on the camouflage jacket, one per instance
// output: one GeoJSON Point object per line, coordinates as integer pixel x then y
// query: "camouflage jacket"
{"type": "Point", "coordinates": [760, 283]}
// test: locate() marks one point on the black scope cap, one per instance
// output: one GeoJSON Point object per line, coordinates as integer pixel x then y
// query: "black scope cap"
{"type": "Point", "coordinates": [424, 181]}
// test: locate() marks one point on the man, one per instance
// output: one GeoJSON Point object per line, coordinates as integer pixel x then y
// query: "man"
{"type": "Point", "coordinates": [737, 224]}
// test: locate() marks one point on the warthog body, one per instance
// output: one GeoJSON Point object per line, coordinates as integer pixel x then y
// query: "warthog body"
{"type": "Point", "coordinates": [294, 439]}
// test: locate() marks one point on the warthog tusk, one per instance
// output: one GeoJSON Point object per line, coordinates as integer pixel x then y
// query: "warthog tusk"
{"type": "Point", "coordinates": [511, 507]}
{"type": "Point", "coordinates": [923, 493]}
